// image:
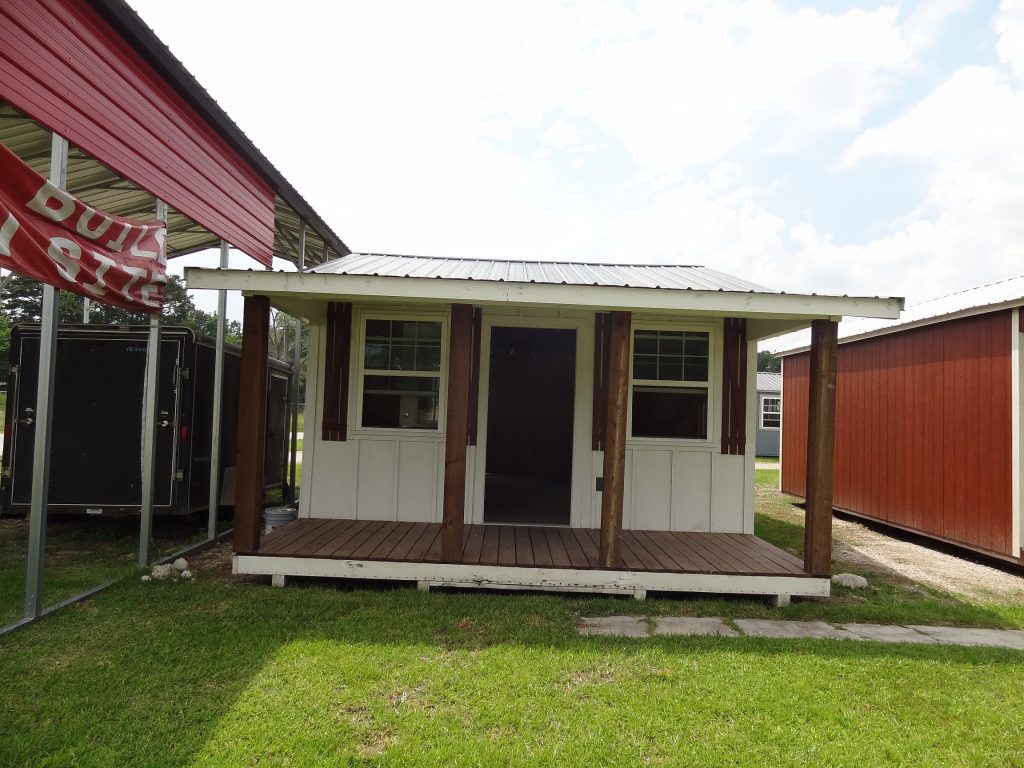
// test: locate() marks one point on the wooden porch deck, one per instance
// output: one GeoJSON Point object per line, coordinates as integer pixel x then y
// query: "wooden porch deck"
{"type": "Point", "coordinates": [530, 547]}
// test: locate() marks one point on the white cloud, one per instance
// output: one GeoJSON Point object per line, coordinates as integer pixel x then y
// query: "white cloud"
{"type": "Point", "coordinates": [415, 127]}
{"type": "Point", "coordinates": [561, 136]}
{"type": "Point", "coordinates": [1010, 28]}
{"type": "Point", "coordinates": [968, 135]}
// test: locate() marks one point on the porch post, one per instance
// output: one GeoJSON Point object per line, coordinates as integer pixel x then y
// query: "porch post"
{"type": "Point", "coordinates": [617, 394]}
{"type": "Point", "coordinates": [252, 424]}
{"type": "Point", "coordinates": [456, 432]}
{"type": "Point", "coordinates": [821, 430]}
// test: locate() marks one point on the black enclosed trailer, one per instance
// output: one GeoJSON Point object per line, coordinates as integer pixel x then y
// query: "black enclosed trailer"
{"type": "Point", "coordinates": [96, 448]}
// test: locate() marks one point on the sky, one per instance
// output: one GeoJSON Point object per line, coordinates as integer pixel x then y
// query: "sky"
{"type": "Point", "coordinates": [845, 147]}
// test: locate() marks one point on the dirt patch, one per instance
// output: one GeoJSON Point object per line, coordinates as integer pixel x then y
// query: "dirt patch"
{"type": "Point", "coordinates": [907, 563]}
{"type": "Point", "coordinates": [866, 549]}
{"type": "Point", "coordinates": [215, 563]}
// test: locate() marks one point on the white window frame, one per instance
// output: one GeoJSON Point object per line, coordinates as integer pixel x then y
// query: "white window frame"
{"type": "Point", "coordinates": [713, 384]}
{"type": "Point", "coordinates": [760, 412]}
{"type": "Point", "coordinates": [361, 372]}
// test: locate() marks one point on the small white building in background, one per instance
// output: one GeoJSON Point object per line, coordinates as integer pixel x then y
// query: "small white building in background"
{"type": "Point", "coordinates": [769, 413]}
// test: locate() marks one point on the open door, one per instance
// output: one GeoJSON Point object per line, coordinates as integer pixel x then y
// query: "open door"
{"type": "Point", "coordinates": [530, 426]}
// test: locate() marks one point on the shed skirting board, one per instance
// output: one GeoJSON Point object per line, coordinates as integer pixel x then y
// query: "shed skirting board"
{"type": "Point", "coordinates": [515, 577]}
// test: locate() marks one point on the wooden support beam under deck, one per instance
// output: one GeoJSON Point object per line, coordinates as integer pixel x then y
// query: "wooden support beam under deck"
{"type": "Point", "coordinates": [252, 424]}
{"type": "Point", "coordinates": [457, 431]}
{"type": "Point", "coordinates": [617, 394]}
{"type": "Point", "coordinates": [821, 430]}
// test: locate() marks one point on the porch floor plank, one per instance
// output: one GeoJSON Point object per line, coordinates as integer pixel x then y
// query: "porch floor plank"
{"type": "Point", "coordinates": [387, 546]}
{"type": "Point", "coordinates": [344, 536]}
{"type": "Point", "coordinates": [418, 551]}
{"type": "Point", "coordinates": [506, 545]}
{"type": "Point", "coordinates": [577, 558]}
{"type": "Point", "coordinates": [489, 550]}
{"type": "Point", "coordinates": [531, 547]}
{"type": "Point", "coordinates": [282, 536]}
{"type": "Point", "coordinates": [590, 541]}
{"type": "Point", "coordinates": [541, 550]}
{"type": "Point", "coordinates": [559, 554]}
{"type": "Point", "coordinates": [474, 545]}
{"type": "Point", "coordinates": [524, 549]}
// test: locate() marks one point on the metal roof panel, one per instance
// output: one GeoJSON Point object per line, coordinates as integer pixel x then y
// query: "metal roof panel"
{"type": "Point", "coordinates": [668, 276]}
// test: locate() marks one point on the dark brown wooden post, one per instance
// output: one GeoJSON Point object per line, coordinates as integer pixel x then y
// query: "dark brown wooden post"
{"type": "Point", "coordinates": [821, 430]}
{"type": "Point", "coordinates": [456, 432]}
{"type": "Point", "coordinates": [252, 424]}
{"type": "Point", "coordinates": [617, 394]}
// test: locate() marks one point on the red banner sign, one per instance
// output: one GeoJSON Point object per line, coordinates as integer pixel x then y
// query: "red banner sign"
{"type": "Point", "coordinates": [52, 236]}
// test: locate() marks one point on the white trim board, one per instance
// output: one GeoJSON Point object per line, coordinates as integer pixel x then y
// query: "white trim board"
{"type": "Point", "coordinates": [516, 577]}
{"type": "Point", "coordinates": [304, 285]}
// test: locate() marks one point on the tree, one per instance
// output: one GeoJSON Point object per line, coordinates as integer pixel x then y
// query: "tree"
{"type": "Point", "coordinates": [21, 301]}
{"type": "Point", "coordinates": [282, 344]}
{"type": "Point", "coordinates": [768, 363]}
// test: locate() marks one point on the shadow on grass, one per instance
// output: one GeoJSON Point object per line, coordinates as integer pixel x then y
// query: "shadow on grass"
{"type": "Point", "coordinates": [145, 674]}
{"type": "Point", "coordinates": [83, 552]}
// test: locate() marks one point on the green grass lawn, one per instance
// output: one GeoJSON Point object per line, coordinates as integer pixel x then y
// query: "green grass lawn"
{"type": "Point", "coordinates": [213, 674]}
{"type": "Point", "coordinates": [81, 553]}
{"type": "Point", "coordinates": [226, 674]}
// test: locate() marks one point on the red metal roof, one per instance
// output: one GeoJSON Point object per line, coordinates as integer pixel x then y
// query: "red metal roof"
{"type": "Point", "coordinates": [67, 67]}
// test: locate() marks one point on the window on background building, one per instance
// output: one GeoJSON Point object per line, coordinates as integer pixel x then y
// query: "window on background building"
{"type": "Point", "coordinates": [771, 412]}
{"type": "Point", "coordinates": [401, 374]}
{"type": "Point", "coordinates": [671, 383]}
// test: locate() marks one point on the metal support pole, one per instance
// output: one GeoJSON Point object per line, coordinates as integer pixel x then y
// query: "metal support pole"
{"type": "Point", "coordinates": [44, 416]}
{"type": "Point", "coordinates": [296, 363]}
{"type": "Point", "coordinates": [218, 403]}
{"type": "Point", "coordinates": [86, 306]}
{"type": "Point", "coordinates": [149, 422]}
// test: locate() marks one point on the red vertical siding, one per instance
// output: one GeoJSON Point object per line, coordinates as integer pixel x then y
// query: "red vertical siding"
{"type": "Point", "coordinates": [923, 430]}
{"type": "Point", "coordinates": [66, 67]}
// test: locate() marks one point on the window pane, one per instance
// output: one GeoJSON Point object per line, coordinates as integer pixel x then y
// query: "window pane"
{"type": "Point", "coordinates": [403, 358]}
{"type": "Point", "coordinates": [697, 344]}
{"type": "Point", "coordinates": [670, 355]}
{"type": "Point", "coordinates": [670, 412]}
{"type": "Point", "coordinates": [670, 369]}
{"type": "Point", "coordinates": [402, 345]}
{"type": "Point", "coordinates": [428, 358]}
{"type": "Point", "coordinates": [403, 329]}
{"type": "Point", "coordinates": [771, 421]}
{"type": "Point", "coordinates": [696, 369]}
{"type": "Point", "coordinates": [645, 367]}
{"type": "Point", "coordinates": [670, 344]}
{"type": "Point", "coordinates": [646, 343]}
{"type": "Point", "coordinates": [771, 405]}
{"type": "Point", "coordinates": [378, 329]}
{"type": "Point", "coordinates": [376, 355]}
{"type": "Point", "coordinates": [401, 402]}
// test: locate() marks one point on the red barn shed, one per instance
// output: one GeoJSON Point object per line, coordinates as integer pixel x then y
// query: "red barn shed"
{"type": "Point", "coordinates": [928, 419]}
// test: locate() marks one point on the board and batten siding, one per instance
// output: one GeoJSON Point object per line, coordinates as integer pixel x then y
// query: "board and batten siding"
{"type": "Point", "coordinates": [390, 475]}
{"type": "Point", "coordinates": [923, 430]}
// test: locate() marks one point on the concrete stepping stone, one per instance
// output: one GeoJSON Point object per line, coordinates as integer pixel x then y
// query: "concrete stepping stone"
{"type": "Point", "coordinates": [792, 629]}
{"type": "Point", "coordinates": [693, 627]}
{"type": "Point", "coordinates": [888, 633]}
{"type": "Point", "coordinates": [615, 626]}
{"type": "Point", "coordinates": [995, 638]}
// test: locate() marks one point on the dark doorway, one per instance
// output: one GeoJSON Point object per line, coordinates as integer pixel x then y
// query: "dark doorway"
{"type": "Point", "coordinates": [529, 426]}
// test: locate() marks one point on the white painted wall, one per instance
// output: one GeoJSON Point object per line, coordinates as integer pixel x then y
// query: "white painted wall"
{"type": "Point", "coordinates": [398, 474]}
